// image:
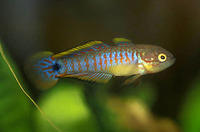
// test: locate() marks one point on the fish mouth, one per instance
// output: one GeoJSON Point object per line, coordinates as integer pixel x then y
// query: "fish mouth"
{"type": "Point", "coordinates": [172, 61]}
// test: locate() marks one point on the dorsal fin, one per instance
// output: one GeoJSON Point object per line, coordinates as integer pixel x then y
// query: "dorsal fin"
{"type": "Point", "coordinates": [87, 50]}
{"type": "Point", "coordinates": [122, 42]}
{"type": "Point", "coordinates": [92, 45]}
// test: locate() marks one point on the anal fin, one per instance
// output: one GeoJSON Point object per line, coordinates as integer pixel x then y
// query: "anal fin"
{"type": "Point", "coordinates": [94, 77]}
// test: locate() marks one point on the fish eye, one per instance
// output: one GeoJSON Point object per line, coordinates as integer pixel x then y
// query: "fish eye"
{"type": "Point", "coordinates": [162, 57]}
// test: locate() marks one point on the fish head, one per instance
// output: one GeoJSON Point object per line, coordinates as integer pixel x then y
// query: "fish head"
{"type": "Point", "coordinates": [155, 58]}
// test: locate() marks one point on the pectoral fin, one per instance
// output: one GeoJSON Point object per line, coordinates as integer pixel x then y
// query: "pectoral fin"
{"type": "Point", "coordinates": [132, 79]}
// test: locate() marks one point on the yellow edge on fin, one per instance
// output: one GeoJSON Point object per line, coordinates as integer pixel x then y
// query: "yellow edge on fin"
{"type": "Point", "coordinates": [118, 40]}
{"type": "Point", "coordinates": [89, 44]}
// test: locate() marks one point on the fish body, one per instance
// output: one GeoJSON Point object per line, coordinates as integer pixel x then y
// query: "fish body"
{"type": "Point", "coordinates": [107, 60]}
{"type": "Point", "coordinates": [99, 62]}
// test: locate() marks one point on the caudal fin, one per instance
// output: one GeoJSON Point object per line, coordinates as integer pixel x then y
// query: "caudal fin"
{"type": "Point", "coordinates": [42, 70]}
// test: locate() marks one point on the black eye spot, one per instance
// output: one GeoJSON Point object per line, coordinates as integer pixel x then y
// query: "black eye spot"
{"type": "Point", "coordinates": [162, 57]}
{"type": "Point", "coordinates": [56, 67]}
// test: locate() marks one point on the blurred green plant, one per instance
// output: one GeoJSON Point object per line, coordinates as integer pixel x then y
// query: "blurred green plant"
{"type": "Point", "coordinates": [190, 114]}
{"type": "Point", "coordinates": [65, 105]}
{"type": "Point", "coordinates": [15, 108]}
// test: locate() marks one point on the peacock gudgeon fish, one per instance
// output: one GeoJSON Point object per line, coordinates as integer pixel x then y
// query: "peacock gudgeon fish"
{"type": "Point", "coordinates": [98, 62]}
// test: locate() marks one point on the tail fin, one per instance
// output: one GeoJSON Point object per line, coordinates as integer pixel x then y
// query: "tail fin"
{"type": "Point", "coordinates": [42, 69]}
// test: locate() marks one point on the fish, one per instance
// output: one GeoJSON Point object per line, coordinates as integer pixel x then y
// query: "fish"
{"type": "Point", "coordinates": [98, 62]}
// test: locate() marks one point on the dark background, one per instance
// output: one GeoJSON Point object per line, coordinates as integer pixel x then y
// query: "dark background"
{"type": "Point", "coordinates": [28, 26]}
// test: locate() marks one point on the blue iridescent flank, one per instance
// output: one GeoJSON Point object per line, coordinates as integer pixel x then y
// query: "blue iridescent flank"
{"type": "Point", "coordinates": [129, 55]}
{"type": "Point", "coordinates": [91, 63]}
{"type": "Point", "coordinates": [103, 61]}
{"type": "Point", "coordinates": [69, 65]}
{"type": "Point", "coordinates": [75, 64]}
{"type": "Point", "coordinates": [83, 65]}
{"type": "Point", "coordinates": [124, 57]}
{"type": "Point", "coordinates": [98, 61]}
{"type": "Point", "coordinates": [135, 58]}
{"type": "Point", "coordinates": [118, 58]}
{"type": "Point", "coordinates": [113, 59]}
{"type": "Point", "coordinates": [108, 59]}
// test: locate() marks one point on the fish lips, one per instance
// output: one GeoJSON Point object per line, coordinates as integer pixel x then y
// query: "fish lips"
{"type": "Point", "coordinates": [172, 60]}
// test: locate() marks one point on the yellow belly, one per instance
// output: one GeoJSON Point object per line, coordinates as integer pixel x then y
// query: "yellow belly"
{"type": "Point", "coordinates": [124, 70]}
